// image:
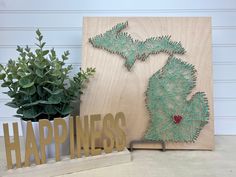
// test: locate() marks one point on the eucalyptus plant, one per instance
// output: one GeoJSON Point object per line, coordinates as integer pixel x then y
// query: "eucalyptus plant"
{"type": "Point", "coordinates": [39, 85]}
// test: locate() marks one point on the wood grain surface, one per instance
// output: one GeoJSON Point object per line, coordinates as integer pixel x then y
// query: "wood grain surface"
{"type": "Point", "coordinates": [114, 89]}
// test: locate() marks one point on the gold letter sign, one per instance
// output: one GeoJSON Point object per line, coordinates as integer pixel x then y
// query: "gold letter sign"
{"type": "Point", "coordinates": [108, 130]}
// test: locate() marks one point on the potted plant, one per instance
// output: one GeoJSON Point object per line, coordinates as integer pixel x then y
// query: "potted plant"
{"type": "Point", "coordinates": [40, 87]}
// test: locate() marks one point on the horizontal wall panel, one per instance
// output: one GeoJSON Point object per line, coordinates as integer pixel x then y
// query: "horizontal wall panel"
{"type": "Point", "coordinates": [90, 5]}
{"type": "Point", "coordinates": [37, 20]}
{"type": "Point", "coordinates": [224, 108]}
{"type": "Point", "coordinates": [224, 53]}
{"type": "Point", "coordinates": [224, 72]}
{"type": "Point", "coordinates": [225, 36]}
{"type": "Point", "coordinates": [225, 90]}
{"type": "Point", "coordinates": [51, 37]}
{"type": "Point", "coordinates": [5, 110]}
{"type": "Point", "coordinates": [225, 126]}
{"type": "Point", "coordinates": [75, 37]}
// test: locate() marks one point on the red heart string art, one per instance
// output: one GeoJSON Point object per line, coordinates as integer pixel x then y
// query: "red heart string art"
{"type": "Point", "coordinates": [177, 119]}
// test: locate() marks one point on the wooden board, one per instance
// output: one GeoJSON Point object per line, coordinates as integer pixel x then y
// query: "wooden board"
{"type": "Point", "coordinates": [67, 165]}
{"type": "Point", "coordinates": [115, 89]}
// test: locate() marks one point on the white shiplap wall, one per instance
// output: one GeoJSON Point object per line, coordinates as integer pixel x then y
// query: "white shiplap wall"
{"type": "Point", "coordinates": [61, 24]}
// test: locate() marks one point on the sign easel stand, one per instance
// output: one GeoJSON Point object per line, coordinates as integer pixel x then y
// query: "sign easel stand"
{"type": "Point", "coordinates": [163, 145]}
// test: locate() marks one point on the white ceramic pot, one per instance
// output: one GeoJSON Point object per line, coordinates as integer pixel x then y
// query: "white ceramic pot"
{"type": "Point", "coordinates": [49, 149]}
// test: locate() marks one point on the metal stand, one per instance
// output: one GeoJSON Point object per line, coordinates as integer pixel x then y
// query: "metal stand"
{"type": "Point", "coordinates": [163, 145]}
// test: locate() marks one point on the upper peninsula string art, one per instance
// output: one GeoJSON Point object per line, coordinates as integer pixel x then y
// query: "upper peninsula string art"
{"type": "Point", "coordinates": [173, 117]}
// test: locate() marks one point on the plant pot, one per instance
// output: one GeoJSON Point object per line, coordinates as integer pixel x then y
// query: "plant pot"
{"type": "Point", "coordinates": [49, 149]}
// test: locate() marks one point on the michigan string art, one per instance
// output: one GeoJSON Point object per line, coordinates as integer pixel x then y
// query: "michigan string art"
{"type": "Point", "coordinates": [173, 117]}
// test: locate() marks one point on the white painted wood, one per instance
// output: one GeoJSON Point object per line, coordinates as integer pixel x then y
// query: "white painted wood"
{"type": "Point", "coordinates": [224, 72]}
{"type": "Point", "coordinates": [227, 124]}
{"type": "Point", "coordinates": [224, 36]}
{"type": "Point", "coordinates": [224, 53]}
{"type": "Point", "coordinates": [24, 37]}
{"type": "Point", "coordinates": [61, 24]}
{"type": "Point", "coordinates": [13, 20]}
{"type": "Point", "coordinates": [115, 5]}
{"type": "Point", "coordinates": [67, 165]}
{"type": "Point", "coordinates": [52, 37]}
{"type": "Point", "coordinates": [225, 90]}
{"type": "Point", "coordinates": [225, 107]}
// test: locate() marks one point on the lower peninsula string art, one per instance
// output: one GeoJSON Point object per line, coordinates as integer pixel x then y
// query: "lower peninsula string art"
{"type": "Point", "coordinates": [173, 116]}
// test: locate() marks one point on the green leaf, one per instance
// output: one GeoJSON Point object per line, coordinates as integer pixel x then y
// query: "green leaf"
{"type": "Point", "coordinates": [65, 98]}
{"type": "Point", "coordinates": [55, 83]}
{"type": "Point", "coordinates": [45, 52]}
{"type": "Point", "coordinates": [54, 99]}
{"type": "Point", "coordinates": [6, 84]}
{"type": "Point", "coordinates": [35, 103]}
{"type": "Point", "coordinates": [31, 90]}
{"type": "Point", "coordinates": [41, 65]}
{"type": "Point", "coordinates": [25, 82]}
{"type": "Point", "coordinates": [64, 111]}
{"type": "Point", "coordinates": [10, 93]}
{"type": "Point", "coordinates": [12, 104]}
{"type": "Point", "coordinates": [50, 109]}
{"type": "Point", "coordinates": [15, 85]}
{"type": "Point", "coordinates": [47, 89]}
{"type": "Point", "coordinates": [39, 73]}
{"type": "Point", "coordinates": [31, 113]}
{"type": "Point", "coordinates": [1, 67]}
{"type": "Point", "coordinates": [28, 91]}
{"type": "Point", "coordinates": [55, 92]}
{"type": "Point", "coordinates": [41, 91]}
{"type": "Point", "coordinates": [56, 73]}
{"type": "Point", "coordinates": [38, 32]}
{"type": "Point", "coordinates": [19, 111]}
{"type": "Point", "coordinates": [18, 116]}
{"type": "Point", "coordinates": [43, 44]}
{"type": "Point", "coordinates": [2, 76]}
{"type": "Point", "coordinates": [27, 49]}
{"type": "Point", "coordinates": [40, 38]}
{"type": "Point", "coordinates": [21, 73]}
{"type": "Point", "coordinates": [9, 76]}
{"type": "Point", "coordinates": [19, 49]}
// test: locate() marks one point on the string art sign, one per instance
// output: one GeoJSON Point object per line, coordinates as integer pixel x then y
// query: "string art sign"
{"type": "Point", "coordinates": [176, 110]}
